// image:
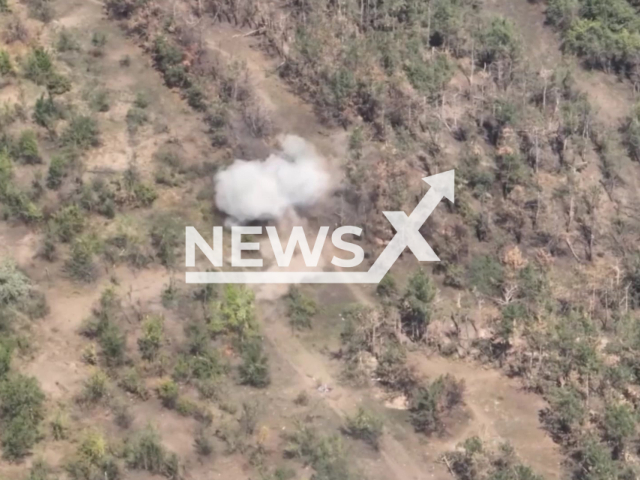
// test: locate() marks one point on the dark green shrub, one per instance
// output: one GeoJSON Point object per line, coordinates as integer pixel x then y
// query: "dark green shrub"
{"type": "Point", "coordinates": [566, 412]}
{"type": "Point", "coordinates": [202, 443]}
{"type": "Point", "coordinates": [38, 66]}
{"type": "Point", "coordinates": [152, 337]}
{"type": "Point", "coordinates": [415, 306]}
{"type": "Point", "coordinates": [68, 223]}
{"type": "Point", "coordinates": [498, 41]}
{"type": "Point", "coordinates": [99, 101]}
{"type": "Point", "coordinates": [136, 118]}
{"type": "Point", "coordinates": [58, 170]}
{"type": "Point", "coordinates": [196, 98]}
{"type": "Point", "coordinates": [95, 389]}
{"type": "Point", "coordinates": [301, 308]}
{"type": "Point", "coordinates": [80, 265]}
{"type": "Point", "coordinates": [365, 426]}
{"type": "Point", "coordinates": [141, 101]}
{"type": "Point", "coordinates": [168, 59]}
{"type": "Point", "coordinates": [6, 66]}
{"type": "Point", "coordinates": [133, 383]}
{"type": "Point", "coordinates": [81, 133]}
{"type": "Point", "coordinates": [66, 42]}
{"type": "Point", "coordinates": [113, 344]}
{"type": "Point", "coordinates": [166, 236]}
{"type": "Point", "coordinates": [46, 112]}
{"type": "Point", "coordinates": [486, 274]}
{"type": "Point", "coordinates": [254, 370]}
{"type": "Point", "coordinates": [21, 412]}
{"type": "Point", "coordinates": [19, 205]}
{"type": "Point", "coordinates": [5, 360]}
{"type": "Point", "coordinates": [168, 393]}
{"type": "Point", "coordinates": [41, 10]}
{"type": "Point", "coordinates": [430, 404]}
{"type": "Point", "coordinates": [26, 150]}
{"type": "Point", "coordinates": [122, 8]}
{"type": "Point", "coordinates": [145, 452]}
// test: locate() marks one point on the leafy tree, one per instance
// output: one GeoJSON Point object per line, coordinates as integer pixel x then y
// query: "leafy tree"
{"type": "Point", "coordinates": [416, 305]}
{"type": "Point", "coordinates": [499, 41]}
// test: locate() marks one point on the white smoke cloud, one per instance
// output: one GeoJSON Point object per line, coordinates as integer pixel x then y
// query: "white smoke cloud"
{"type": "Point", "coordinates": [265, 190]}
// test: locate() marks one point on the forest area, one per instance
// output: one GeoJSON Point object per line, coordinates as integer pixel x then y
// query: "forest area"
{"type": "Point", "coordinates": [116, 116]}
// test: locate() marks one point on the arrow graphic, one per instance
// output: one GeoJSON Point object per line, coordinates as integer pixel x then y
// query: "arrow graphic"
{"type": "Point", "coordinates": [407, 235]}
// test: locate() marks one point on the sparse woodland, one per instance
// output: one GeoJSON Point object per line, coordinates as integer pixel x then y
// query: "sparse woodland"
{"type": "Point", "coordinates": [110, 137]}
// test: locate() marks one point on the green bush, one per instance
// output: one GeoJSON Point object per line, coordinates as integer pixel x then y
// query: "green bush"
{"type": "Point", "coordinates": [6, 65]}
{"type": "Point", "coordinates": [58, 170]}
{"type": "Point", "coordinates": [80, 265]}
{"type": "Point", "coordinates": [498, 41]}
{"type": "Point", "coordinates": [168, 393]}
{"type": "Point", "coordinates": [429, 404]}
{"type": "Point", "coordinates": [326, 455]}
{"type": "Point", "coordinates": [145, 452]}
{"type": "Point", "coordinates": [113, 344]}
{"type": "Point", "coordinates": [68, 223]}
{"type": "Point", "coordinates": [301, 308]}
{"type": "Point", "coordinates": [566, 412]}
{"type": "Point", "coordinates": [19, 205]}
{"type": "Point", "coordinates": [136, 118]}
{"type": "Point", "coordinates": [365, 426]}
{"type": "Point", "coordinates": [38, 66]}
{"type": "Point", "coordinates": [96, 388]}
{"type": "Point", "coordinates": [167, 233]}
{"type": "Point", "coordinates": [5, 360]}
{"type": "Point", "coordinates": [26, 150]}
{"type": "Point", "coordinates": [196, 98]}
{"type": "Point", "coordinates": [66, 42]}
{"type": "Point", "coordinates": [92, 460]}
{"type": "Point", "coordinates": [122, 8]}
{"type": "Point", "coordinates": [81, 133]}
{"type": "Point", "coordinates": [429, 78]}
{"type": "Point", "coordinates": [202, 443]}
{"type": "Point", "coordinates": [41, 10]}
{"type": "Point", "coordinates": [46, 111]}
{"type": "Point", "coordinates": [21, 412]}
{"type": "Point", "coordinates": [254, 370]}
{"type": "Point", "coordinates": [486, 274]}
{"type": "Point", "coordinates": [152, 337]}
{"type": "Point", "coordinates": [168, 59]}
{"type": "Point", "coordinates": [98, 197]}
{"type": "Point", "coordinates": [14, 285]}
{"type": "Point", "coordinates": [99, 101]}
{"type": "Point", "coordinates": [620, 427]}
{"type": "Point", "coordinates": [39, 471]}
{"type": "Point", "coordinates": [132, 383]}
{"type": "Point", "coordinates": [415, 305]}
